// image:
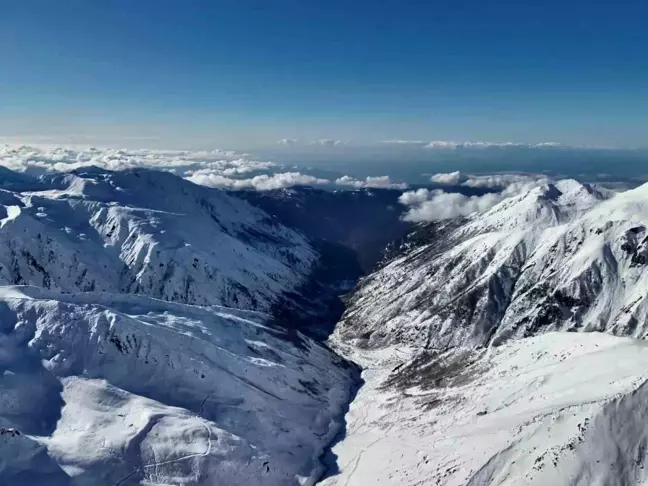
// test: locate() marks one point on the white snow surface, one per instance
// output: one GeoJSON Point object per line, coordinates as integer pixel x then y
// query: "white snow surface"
{"type": "Point", "coordinates": [561, 257]}
{"type": "Point", "coordinates": [137, 347]}
{"type": "Point", "coordinates": [147, 232]}
{"type": "Point", "coordinates": [555, 409]}
{"type": "Point", "coordinates": [108, 389]}
{"type": "Point", "coordinates": [136, 340]}
{"type": "Point", "coordinates": [469, 377]}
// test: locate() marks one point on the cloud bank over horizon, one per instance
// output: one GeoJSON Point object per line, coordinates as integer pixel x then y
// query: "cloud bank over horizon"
{"type": "Point", "coordinates": [235, 170]}
{"type": "Point", "coordinates": [214, 168]}
{"type": "Point", "coordinates": [425, 144]}
{"type": "Point", "coordinates": [379, 182]}
{"type": "Point", "coordinates": [452, 145]}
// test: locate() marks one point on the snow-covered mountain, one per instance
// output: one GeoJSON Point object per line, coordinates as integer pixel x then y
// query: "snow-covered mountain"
{"type": "Point", "coordinates": [563, 256]}
{"type": "Point", "coordinates": [149, 334]}
{"type": "Point", "coordinates": [554, 409]}
{"type": "Point", "coordinates": [109, 377]}
{"type": "Point", "coordinates": [466, 381]}
{"type": "Point", "coordinates": [107, 389]}
{"type": "Point", "coordinates": [147, 232]}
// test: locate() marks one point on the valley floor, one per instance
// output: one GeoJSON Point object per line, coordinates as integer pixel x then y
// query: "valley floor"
{"type": "Point", "coordinates": [560, 408]}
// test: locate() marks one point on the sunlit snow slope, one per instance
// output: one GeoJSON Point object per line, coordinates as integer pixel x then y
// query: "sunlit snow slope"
{"type": "Point", "coordinates": [136, 341]}
{"type": "Point", "coordinates": [147, 232]}
{"type": "Point", "coordinates": [129, 390]}
{"type": "Point", "coordinates": [561, 257]}
{"type": "Point", "coordinates": [555, 409]}
{"type": "Point", "coordinates": [466, 380]}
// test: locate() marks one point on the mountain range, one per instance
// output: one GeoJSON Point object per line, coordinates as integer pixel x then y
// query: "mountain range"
{"type": "Point", "coordinates": [504, 348]}
{"type": "Point", "coordinates": [153, 331]}
{"type": "Point", "coordinates": [139, 342]}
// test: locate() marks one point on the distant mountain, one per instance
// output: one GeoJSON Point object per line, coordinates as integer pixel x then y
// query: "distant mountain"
{"type": "Point", "coordinates": [364, 220]}
{"type": "Point", "coordinates": [16, 180]}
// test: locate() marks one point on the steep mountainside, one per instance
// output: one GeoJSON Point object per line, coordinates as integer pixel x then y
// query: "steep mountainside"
{"type": "Point", "coordinates": [148, 232]}
{"type": "Point", "coordinates": [561, 257]}
{"type": "Point", "coordinates": [364, 220]}
{"type": "Point", "coordinates": [465, 384]}
{"type": "Point", "coordinates": [101, 383]}
{"type": "Point", "coordinates": [107, 389]}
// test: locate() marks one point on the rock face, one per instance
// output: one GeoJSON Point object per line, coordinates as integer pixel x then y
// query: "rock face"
{"type": "Point", "coordinates": [466, 380]}
{"type": "Point", "coordinates": [137, 344]}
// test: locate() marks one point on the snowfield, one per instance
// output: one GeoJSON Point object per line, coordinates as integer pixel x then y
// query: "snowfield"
{"type": "Point", "coordinates": [142, 342]}
{"type": "Point", "coordinates": [117, 389]}
{"type": "Point", "coordinates": [559, 409]}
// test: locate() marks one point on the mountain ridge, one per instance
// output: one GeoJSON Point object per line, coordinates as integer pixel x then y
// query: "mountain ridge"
{"type": "Point", "coordinates": [150, 232]}
{"type": "Point", "coordinates": [469, 375]}
{"type": "Point", "coordinates": [535, 261]}
{"type": "Point", "coordinates": [139, 338]}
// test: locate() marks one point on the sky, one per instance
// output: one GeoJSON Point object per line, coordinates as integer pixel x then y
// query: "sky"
{"type": "Point", "coordinates": [243, 74]}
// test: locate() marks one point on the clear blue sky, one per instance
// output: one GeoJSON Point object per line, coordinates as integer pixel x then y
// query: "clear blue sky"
{"type": "Point", "coordinates": [245, 73]}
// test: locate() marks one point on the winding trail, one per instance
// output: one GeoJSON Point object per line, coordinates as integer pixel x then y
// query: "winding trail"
{"type": "Point", "coordinates": [171, 461]}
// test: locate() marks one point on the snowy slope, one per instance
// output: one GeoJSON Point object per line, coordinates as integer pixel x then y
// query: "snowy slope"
{"type": "Point", "coordinates": [561, 257]}
{"type": "Point", "coordinates": [101, 383]}
{"type": "Point", "coordinates": [111, 389]}
{"type": "Point", "coordinates": [464, 381]}
{"type": "Point", "coordinates": [556, 409]}
{"type": "Point", "coordinates": [147, 232]}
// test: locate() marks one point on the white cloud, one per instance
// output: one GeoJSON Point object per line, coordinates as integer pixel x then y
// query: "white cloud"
{"type": "Point", "coordinates": [436, 205]}
{"type": "Point", "coordinates": [447, 177]}
{"type": "Point", "coordinates": [446, 205]}
{"type": "Point", "coordinates": [329, 143]}
{"type": "Point", "coordinates": [24, 158]}
{"type": "Point", "coordinates": [412, 198]}
{"type": "Point", "coordinates": [382, 182]}
{"type": "Point", "coordinates": [447, 144]}
{"type": "Point", "coordinates": [405, 142]}
{"type": "Point", "coordinates": [492, 181]}
{"type": "Point", "coordinates": [347, 181]}
{"type": "Point", "coordinates": [216, 168]}
{"type": "Point", "coordinates": [263, 182]}
{"type": "Point", "coordinates": [502, 181]}
{"type": "Point", "coordinates": [323, 142]}
{"type": "Point", "coordinates": [442, 144]}
{"type": "Point", "coordinates": [450, 144]}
